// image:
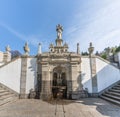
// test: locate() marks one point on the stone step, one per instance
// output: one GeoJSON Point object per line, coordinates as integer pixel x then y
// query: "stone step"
{"type": "Point", "coordinates": [111, 96]}
{"type": "Point", "coordinates": [111, 100]}
{"type": "Point", "coordinates": [6, 96]}
{"type": "Point", "coordinates": [5, 93]}
{"type": "Point", "coordinates": [113, 93]}
{"type": "Point", "coordinates": [2, 90]}
{"type": "Point", "coordinates": [118, 85]}
{"type": "Point", "coordinates": [7, 100]}
{"type": "Point", "coordinates": [114, 90]}
{"type": "Point", "coordinates": [10, 97]}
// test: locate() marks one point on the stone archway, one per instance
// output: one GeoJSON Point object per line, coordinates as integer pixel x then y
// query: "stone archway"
{"type": "Point", "coordinates": [59, 82]}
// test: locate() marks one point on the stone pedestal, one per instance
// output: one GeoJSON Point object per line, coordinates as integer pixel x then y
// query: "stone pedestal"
{"type": "Point", "coordinates": [79, 94]}
{"type": "Point", "coordinates": [46, 92]}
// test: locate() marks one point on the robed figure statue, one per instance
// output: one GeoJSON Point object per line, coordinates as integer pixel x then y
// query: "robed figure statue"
{"type": "Point", "coordinates": [59, 30]}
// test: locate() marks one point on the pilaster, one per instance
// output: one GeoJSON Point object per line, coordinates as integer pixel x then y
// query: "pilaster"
{"type": "Point", "coordinates": [23, 77]}
{"type": "Point", "coordinates": [93, 70]}
{"type": "Point", "coordinates": [74, 75]}
{"type": "Point", "coordinates": [46, 83]}
{"type": "Point", "coordinates": [93, 75]}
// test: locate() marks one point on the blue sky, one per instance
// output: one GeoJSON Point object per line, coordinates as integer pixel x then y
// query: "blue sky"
{"type": "Point", "coordinates": [35, 21]}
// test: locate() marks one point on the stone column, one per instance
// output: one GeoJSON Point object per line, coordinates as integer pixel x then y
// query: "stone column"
{"type": "Point", "coordinates": [39, 79]}
{"type": "Point", "coordinates": [93, 75]}
{"type": "Point", "coordinates": [39, 49]}
{"type": "Point", "coordinates": [93, 70]}
{"type": "Point", "coordinates": [69, 82]}
{"type": "Point", "coordinates": [23, 77]}
{"type": "Point", "coordinates": [75, 84]}
{"type": "Point", "coordinates": [46, 87]}
{"type": "Point", "coordinates": [78, 48]}
{"type": "Point", "coordinates": [51, 79]}
{"type": "Point", "coordinates": [74, 74]}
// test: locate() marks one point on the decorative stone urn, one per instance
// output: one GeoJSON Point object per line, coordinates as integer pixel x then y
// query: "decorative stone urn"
{"type": "Point", "coordinates": [26, 49]}
{"type": "Point", "coordinates": [91, 49]}
{"type": "Point", "coordinates": [8, 49]}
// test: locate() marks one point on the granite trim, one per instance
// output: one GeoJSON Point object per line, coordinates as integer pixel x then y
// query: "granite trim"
{"type": "Point", "coordinates": [93, 74]}
{"type": "Point", "coordinates": [23, 77]}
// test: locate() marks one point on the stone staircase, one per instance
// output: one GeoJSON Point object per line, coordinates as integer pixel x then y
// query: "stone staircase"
{"type": "Point", "coordinates": [6, 96]}
{"type": "Point", "coordinates": [112, 94]}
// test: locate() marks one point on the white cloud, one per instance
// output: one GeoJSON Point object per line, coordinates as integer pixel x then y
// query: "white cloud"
{"type": "Point", "coordinates": [31, 39]}
{"type": "Point", "coordinates": [13, 31]}
{"type": "Point", "coordinates": [102, 27]}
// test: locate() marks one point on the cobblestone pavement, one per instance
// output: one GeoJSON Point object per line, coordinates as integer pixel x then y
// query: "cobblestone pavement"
{"type": "Point", "coordinates": [89, 107]}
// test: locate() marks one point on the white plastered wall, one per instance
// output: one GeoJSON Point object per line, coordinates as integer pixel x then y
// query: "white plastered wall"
{"type": "Point", "coordinates": [31, 78]}
{"type": "Point", "coordinates": [10, 75]}
{"type": "Point", "coordinates": [106, 74]}
{"type": "Point", "coordinates": [86, 73]}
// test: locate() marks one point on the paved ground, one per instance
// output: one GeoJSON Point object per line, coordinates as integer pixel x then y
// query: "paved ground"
{"type": "Point", "coordinates": [89, 107]}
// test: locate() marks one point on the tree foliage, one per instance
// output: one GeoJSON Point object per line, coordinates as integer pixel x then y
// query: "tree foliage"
{"type": "Point", "coordinates": [117, 49]}
{"type": "Point", "coordinates": [104, 56]}
{"type": "Point", "coordinates": [15, 54]}
{"type": "Point", "coordinates": [85, 53]}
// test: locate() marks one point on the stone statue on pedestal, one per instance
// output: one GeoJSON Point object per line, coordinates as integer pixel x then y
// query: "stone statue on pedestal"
{"type": "Point", "coordinates": [59, 30]}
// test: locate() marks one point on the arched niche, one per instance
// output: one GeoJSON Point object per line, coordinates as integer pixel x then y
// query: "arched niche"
{"type": "Point", "coordinates": [59, 82]}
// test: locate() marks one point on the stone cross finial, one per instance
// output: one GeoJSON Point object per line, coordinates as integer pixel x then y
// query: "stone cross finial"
{"type": "Point", "coordinates": [91, 49]}
{"type": "Point", "coordinates": [78, 48]}
{"type": "Point", "coordinates": [26, 49]}
{"type": "Point", "coordinates": [8, 48]}
{"type": "Point", "coordinates": [39, 49]}
{"type": "Point", "coordinates": [59, 30]}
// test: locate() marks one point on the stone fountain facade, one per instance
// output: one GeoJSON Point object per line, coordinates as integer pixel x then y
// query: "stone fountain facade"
{"type": "Point", "coordinates": [60, 64]}
{"type": "Point", "coordinates": [57, 73]}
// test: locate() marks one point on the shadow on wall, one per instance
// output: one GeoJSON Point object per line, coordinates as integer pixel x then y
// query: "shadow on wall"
{"type": "Point", "coordinates": [107, 76]}
{"type": "Point", "coordinates": [33, 69]}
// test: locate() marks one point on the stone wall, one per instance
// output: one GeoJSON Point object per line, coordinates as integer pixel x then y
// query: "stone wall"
{"type": "Point", "coordinates": [107, 74]}
{"type": "Point", "coordinates": [28, 79]}
{"type": "Point", "coordinates": [25, 72]}
{"type": "Point", "coordinates": [20, 75]}
{"type": "Point", "coordinates": [86, 74]}
{"type": "Point", "coordinates": [31, 78]}
{"type": "Point", "coordinates": [10, 75]}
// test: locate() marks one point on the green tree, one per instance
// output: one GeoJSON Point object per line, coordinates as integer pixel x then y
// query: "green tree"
{"type": "Point", "coordinates": [117, 49]}
{"type": "Point", "coordinates": [104, 56]}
